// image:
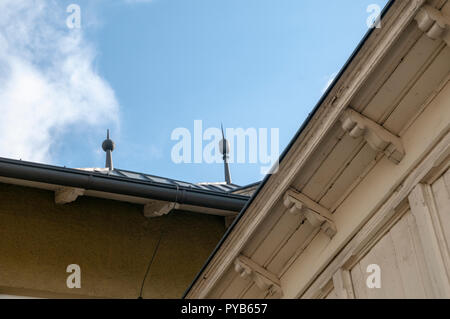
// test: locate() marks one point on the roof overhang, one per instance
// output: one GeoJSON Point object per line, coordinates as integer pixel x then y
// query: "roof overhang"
{"type": "Point", "coordinates": [68, 184]}
{"type": "Point", "coordinates": [324, 128]}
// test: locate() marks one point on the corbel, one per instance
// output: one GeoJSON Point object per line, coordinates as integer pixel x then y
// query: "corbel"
{"type": "Point", "coordinates": [263, 279]}
{"type": "Point", "coordinates": [433, 23]}
{"type": "Point", "coordinates": [317, 215]}
{"type": "Point", "coordinates": [156, 208]}
{"type": "Point", "coordinates": [378, 138]}
{"type": "Point", "coordinates": [67, 195]}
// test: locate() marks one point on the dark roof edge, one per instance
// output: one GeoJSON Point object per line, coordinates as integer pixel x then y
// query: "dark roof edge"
{"type": "Point", "coordinates": [119, 185]}
{"type": "Point", "coordinates": [244, 187]}
{"type": "Point", "coordinates": [286, 150]}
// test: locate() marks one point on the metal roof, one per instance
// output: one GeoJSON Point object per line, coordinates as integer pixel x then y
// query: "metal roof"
{"type": "Point", "coordinates": [215, 187]}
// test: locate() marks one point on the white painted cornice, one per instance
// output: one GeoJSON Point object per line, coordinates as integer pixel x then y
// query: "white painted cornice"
{"type": "Point", "coordinates": [396, 20]}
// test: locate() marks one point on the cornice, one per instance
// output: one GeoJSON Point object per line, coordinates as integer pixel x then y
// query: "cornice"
{"type": "Point", "coordinates": [370, 54]}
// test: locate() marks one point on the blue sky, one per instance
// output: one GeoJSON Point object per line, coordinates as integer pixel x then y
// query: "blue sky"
{"type": "Point", "coordinates": [246, 63]}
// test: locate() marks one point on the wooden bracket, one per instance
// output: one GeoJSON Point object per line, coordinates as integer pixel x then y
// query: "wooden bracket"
{"type": "Point", "coordinates": [67, 195]}
{"type": "Point", "coordinates": [380, 139]}
{"type": "Point", "coordinates": [157, 208]}
{"type": "Point", "coordinates": [435, 24]}
{"type": "Point", "coordinates": [263, 279]}
{"type": "Point", "coordinates": [314, 213]}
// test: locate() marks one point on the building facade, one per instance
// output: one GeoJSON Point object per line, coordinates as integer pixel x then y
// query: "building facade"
{"type": "Point", "coordinates": [360, 205]}
{"type": "Point", "coordinates": [131, 234]}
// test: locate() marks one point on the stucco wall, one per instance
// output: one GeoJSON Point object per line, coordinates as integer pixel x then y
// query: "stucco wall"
{"type": "Point", "coordinates": [111, 241]}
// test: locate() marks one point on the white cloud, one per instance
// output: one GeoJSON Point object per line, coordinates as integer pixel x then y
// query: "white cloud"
{"type": "Point", "coordinates": [330, 79]}
{"type": "Point", "coordinates": [48, 80]}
